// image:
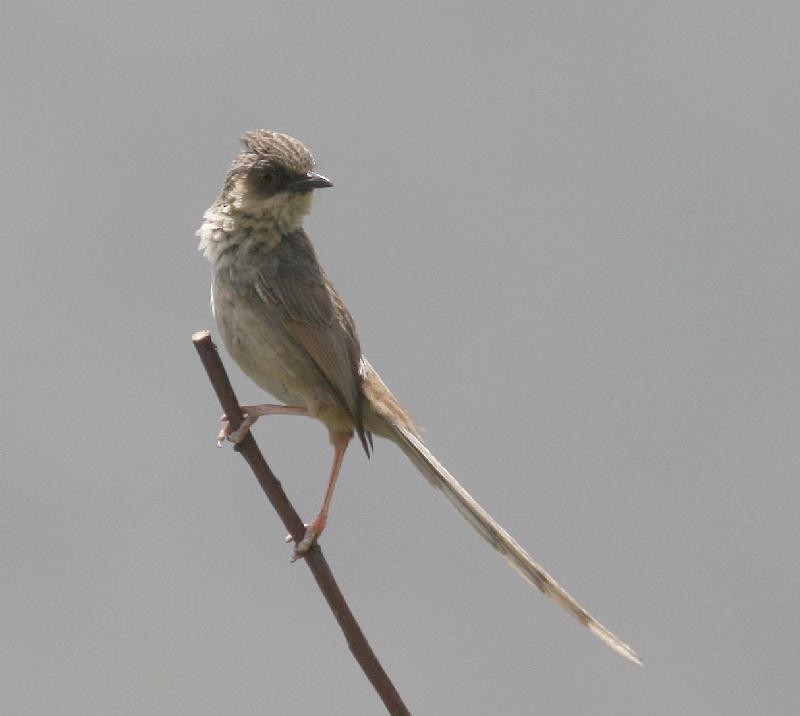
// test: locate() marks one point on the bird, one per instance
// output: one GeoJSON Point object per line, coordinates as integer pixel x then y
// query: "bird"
{"type": "Point", "coordinates": [286, 326]}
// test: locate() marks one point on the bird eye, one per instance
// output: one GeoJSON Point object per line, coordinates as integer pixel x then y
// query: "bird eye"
{"type": "Point", "coordinates": [269, 179]}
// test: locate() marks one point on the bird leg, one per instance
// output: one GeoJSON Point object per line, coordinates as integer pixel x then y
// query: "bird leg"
{"type": "Point", "coordinates": [314, 529]}
{"type": "Point", "coordinates": [251, 414]}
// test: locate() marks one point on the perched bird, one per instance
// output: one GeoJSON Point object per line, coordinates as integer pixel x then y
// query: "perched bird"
{"type": "Point", "coordinates": [287, 328]}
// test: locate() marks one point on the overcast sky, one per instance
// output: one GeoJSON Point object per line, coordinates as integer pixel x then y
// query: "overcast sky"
{"type": "Point", "coordinates": [569, 235]}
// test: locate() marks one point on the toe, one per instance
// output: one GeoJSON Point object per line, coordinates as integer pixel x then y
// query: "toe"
{"type": "Point", "coordinates": [306, 543]}
{"type": "Point", "coordinates": [239, 434]}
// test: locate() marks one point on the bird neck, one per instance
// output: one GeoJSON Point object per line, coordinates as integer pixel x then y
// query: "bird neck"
{"type": "Point", "coordinates": [232, 223]}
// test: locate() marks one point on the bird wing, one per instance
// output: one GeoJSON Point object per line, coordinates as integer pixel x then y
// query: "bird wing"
{"type": "Point", "coordinates": [314, 315]}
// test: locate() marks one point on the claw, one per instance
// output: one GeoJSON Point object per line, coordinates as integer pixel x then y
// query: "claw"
{"type": "Point", "coordinates": [288, 539]}
{"type": "Point", "coordinates": [224, 432]}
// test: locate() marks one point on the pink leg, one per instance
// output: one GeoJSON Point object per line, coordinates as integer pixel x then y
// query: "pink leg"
{"type": "Point", "coordinates": [251, 414]}
{"type": "Point", "coordinates": [314, 529]}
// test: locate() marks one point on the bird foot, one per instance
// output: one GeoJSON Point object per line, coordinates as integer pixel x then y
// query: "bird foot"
{"type": "Point", "coordinates": [313, 530]}
{"type": "Point", "coordinates": [235, 436]}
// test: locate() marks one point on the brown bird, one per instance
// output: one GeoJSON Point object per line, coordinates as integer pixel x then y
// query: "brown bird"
{"type": "Point", "coordinates": [287, 328]}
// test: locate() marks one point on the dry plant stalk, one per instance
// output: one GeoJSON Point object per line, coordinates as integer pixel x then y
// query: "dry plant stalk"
{"type": "Point", "coordinates": [315, 560]}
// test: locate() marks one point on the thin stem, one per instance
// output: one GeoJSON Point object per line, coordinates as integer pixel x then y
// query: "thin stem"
{"type": "Point", "coordinates": [314, 558]}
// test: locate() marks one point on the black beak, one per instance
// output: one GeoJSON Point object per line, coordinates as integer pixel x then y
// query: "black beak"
{"type": "Point", "coordinates": [310, 181]}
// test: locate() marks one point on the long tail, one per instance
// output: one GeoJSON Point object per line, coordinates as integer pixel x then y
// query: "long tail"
{"type": "Point", "coordinates": [503, 542]}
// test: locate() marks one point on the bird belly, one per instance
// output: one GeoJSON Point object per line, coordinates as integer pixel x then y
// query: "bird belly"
{"type": "Point", "coordinates": [254, 341]}
{"type": "Point", "coordinates": [258, 342]}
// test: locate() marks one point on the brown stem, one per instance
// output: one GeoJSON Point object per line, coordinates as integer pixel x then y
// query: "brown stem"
{"type": "Point", "coordinates": [315, 560]}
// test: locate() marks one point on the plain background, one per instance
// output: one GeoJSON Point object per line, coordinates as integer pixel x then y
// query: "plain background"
{"type": "Point", "coordinates": [568, 233]}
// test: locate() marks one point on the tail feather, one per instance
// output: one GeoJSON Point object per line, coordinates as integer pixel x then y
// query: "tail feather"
{"type": "Point", "coordinates": [503, 542]}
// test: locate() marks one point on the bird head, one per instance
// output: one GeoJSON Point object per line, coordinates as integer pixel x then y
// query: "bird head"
{"type": "Point", "coordinates": [273, 177]}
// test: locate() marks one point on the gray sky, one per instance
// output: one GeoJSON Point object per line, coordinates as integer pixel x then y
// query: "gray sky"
{"type": "Point", "coordinates": [568, 233]}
